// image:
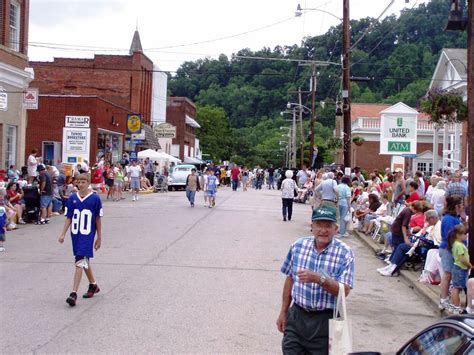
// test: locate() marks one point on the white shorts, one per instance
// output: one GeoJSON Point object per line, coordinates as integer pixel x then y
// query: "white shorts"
{"type": "Point", "coordinates": [134, 182]}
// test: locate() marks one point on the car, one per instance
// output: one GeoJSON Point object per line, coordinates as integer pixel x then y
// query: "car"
{"type": "Point", "coordinates": [451, 335]}
{"type": "Point", "coordinates": [178, 175]}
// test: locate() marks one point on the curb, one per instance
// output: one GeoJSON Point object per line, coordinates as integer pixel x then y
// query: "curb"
{"type": "Point", "coordinates": [429, 293]}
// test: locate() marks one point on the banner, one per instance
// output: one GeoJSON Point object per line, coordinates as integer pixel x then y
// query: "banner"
{"type": "Point", "coordinates": [76, 144]}
{"type": "Point", "coordinates": [134, 123]}
{"type": "Point", "coordinates": [30, 99]}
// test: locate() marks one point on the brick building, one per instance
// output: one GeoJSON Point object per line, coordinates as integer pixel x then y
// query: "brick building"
{"type": "Point", "coordinates": [181, 113]}
{"type": "Point", "coordinates": [105, 88]}
{"type": "Point", "coordinates": [366, 122]}
{"type": "Point", "coordinates": [106, 130]}
{"type": "Point", "coordinates": [15, 77]}
{"type": "Point", "coordinates": [123, 79]}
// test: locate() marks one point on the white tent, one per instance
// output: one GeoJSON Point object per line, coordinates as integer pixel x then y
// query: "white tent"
{"type": "Point", "coordinates": [150, 153]}
{"type": "Point", "coordinates": [166, 156]}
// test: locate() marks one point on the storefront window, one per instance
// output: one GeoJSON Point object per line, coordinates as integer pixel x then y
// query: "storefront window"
{"type": "Point", "coordinates": [109, 146]}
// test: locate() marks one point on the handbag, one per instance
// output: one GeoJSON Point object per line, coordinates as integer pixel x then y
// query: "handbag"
{"type": "Point", "coordinates": [340, 334]}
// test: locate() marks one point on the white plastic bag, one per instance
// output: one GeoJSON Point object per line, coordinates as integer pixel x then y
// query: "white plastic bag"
{"type": "Point", "coordinates": [340, 333]}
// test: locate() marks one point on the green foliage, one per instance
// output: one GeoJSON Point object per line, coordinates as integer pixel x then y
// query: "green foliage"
{"type": "Point", "coordinates": [444, 106]}
{"type": "Point", "coordinates": [399, 56]}
{"type": "Point", "coordinates": [214, 133]}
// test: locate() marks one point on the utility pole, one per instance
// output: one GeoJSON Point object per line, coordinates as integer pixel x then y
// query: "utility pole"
{"type": "Point", "coordinates": [313, 110]}
{"type": "Point", "coordinates": [301, 129]}
{"type": "Point", "coordinates": [293, 133]}
{"type": "Point", "coordinates": [346, 85]}
{"type": "Point", "coordinates": [470, 122]}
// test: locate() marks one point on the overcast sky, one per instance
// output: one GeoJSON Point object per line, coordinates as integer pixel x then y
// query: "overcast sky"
{"type": "Point", "coordinates": [168, 27]}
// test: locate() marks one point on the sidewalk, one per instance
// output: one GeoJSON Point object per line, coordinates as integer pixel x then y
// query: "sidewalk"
{"type": "Point", "coordinates": [429, 293]}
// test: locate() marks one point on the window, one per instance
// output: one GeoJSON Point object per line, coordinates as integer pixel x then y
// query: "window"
{"type": "Point", "coordinates": [10, 151]}
{"type": "Point", "coordinates": [15, 26]}
{"type": "Point", "coordinates": [426, 168]}
{"type": "Point", "coordinates": [441, 340]}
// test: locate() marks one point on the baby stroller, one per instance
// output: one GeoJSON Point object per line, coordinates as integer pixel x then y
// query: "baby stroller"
{"type": "Point", "coordinates": [32, 204]}
{"type": "Point", "coordinates": [160, 183]}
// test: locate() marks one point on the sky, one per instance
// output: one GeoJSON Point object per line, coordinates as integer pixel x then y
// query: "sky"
{"type": "Point", "coordinates": [169, 30]}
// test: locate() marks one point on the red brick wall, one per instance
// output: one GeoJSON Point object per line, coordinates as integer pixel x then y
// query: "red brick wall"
{"type": "Point", "coordinates": [47, 123]}
{"type": "Point", "coordinates": [176, 110]}
{"type": "Point", "coordinates": [124, 80]}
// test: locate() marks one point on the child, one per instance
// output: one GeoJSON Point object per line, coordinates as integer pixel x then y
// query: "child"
{"type": "Point", "coordinates": [204, 185]}
{"type": "Point", "coordinates": [211, 188]}
{"type": "Point", "coordinates": [3, 227]}
{"type": "Point", "coordinates": [83, 212]}
{"type": "Point", "coordinates": [460, 272]}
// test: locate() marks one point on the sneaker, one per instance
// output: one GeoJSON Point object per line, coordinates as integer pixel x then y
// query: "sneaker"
{"type": "Point", "coordinates": [93, 289]}
{"type": "Point", "coordinates": [455, 310]}
{"type": "Point", "coordinates": [192, 204]}
{"type": "Point", "coordinates": [444, 304]}
{"type": "Point", "coordinates": [56, 213]}
{"type": "Point", "coordinates": [383, 268]}
{"type": "Point", "coordinates": [136, 198]}
{"type": "Point", "coordinates": [388, 271]}
{"type": "Point", "coordinates": [71, 300]}
{"type": "Point", "coordinates": [2, 249]}
{"type": "Point", "coordinates": [21, 222]}
{"type": "Point", "coordinates": [133, 198]}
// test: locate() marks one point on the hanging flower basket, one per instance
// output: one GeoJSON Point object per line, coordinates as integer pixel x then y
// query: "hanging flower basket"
{"type": "Point", "coordinates": [358, 140]}
{"type": "Point", "coordinates": [335, 143]}
{"type": "Point", "coordinates": [444, 107]}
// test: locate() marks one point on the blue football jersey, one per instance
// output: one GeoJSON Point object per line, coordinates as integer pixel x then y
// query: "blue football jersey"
{"type": "Point", "coordinates": [211, 183]}
{"type": "Point", "coordinates": [83, 213]}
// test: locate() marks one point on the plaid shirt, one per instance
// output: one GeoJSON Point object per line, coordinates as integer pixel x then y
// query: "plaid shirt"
{"type": "Point", "coordinates": [456, 189]}
{"type": "Point", "coordinates": [336, 261]}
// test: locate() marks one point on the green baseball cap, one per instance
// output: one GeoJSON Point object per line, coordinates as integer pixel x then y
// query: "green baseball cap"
{"type": "Point", "coordinates": [324, 213]}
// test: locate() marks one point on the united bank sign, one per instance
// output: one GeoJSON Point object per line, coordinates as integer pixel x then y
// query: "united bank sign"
{"type": "Point", "coordinates": [398, 133]}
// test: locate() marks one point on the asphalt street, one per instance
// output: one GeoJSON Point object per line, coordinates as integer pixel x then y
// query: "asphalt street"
{"type": "Point", "coordinates": [176, 279]}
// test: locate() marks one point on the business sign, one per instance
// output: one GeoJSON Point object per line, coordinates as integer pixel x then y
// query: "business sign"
{"type": "Point", "coordinates": [76, 144]}
{"type": "Point", "coordinates": [165, 130]}
{"type": "Point", "coordinates": [30, 99]}
{"type": "Point", "coordinates": [3, 101]}
{"type": "Point", "coordinates": [398, 134]}
{"type": "Point", "coordinates": [77, 121]}
{"type": "Point", "coordinates": [132, 155]}
{"type": "Point", "coordinates": [134, 124]}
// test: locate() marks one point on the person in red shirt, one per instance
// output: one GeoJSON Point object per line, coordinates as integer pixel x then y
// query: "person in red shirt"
{"type": "Point", "coordinates": [414, 196]}
{"type": "Point", "coordinates": [235, 176]}
{"type": "Point", "coordinates": [417, 220]}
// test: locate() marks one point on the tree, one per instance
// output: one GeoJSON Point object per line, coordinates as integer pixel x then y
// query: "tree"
{"type": "Point", "coordinates": [214, 134]}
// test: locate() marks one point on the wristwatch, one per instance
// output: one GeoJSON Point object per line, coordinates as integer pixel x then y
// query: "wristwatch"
{"type": "Point", "coordinates": [322, 279]}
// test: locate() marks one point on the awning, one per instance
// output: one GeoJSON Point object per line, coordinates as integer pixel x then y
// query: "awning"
{"type": "Point", "coordinates": [192, 122]}
{"type": "Point", "coordinates": [190, 160]}
{"type": "Point", "coordinates": [150, 141]}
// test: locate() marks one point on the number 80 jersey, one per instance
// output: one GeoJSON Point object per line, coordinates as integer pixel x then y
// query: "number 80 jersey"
{"type": "Point", "coordinates": [83, 213]}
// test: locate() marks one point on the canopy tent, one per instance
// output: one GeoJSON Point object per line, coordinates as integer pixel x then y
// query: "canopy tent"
{"type": "Point", "coordinates": [166, 156]}
{"type": "Point", "coordinates": [150, 153]}
{"type": "Point", "coordinates": [191, 160]}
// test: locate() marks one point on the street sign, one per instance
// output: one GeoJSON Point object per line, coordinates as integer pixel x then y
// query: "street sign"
{"type": "Point", "coordinates": [3, 101]}
{"type": "Point", "coordinates": [30, 99]}
{"type": "Point", "coordinates": [165, 130]}
{"type": "Point", "coordinates": [132, 155]}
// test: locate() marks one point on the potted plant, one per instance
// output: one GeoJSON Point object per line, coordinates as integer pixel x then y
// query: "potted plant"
{"type": "Point", "coordinates": [358, 140]}
{"type": "Point", "coordinates": [335, 143]}
{"type": "Point", "coordinates": [444, 107]}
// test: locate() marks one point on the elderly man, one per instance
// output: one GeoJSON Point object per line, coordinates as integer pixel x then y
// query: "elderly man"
{"type": "Point", "coordinates": [314, 267]}
{"type": "Point", "coordinates": [328, 190]}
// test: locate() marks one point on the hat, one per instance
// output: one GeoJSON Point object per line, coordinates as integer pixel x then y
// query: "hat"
{"type": "Point", "coordinates": [40, 168]}
{"type": "Point", "coordinates": [324, 213]}
{"type": "Point", "coordinates": [399, 170]}
{"type": "Point", "coordinates": [465, 174]}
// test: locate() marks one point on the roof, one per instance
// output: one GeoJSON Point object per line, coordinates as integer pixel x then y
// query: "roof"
{"type": "Point", "coordinates": [151, 141]}
{"type": "Point", "coordinates": [458, 57]}
{"type": "Point", "coordinates": [361, 110]}
{"type": "Point", "coordinates": [136, 46]}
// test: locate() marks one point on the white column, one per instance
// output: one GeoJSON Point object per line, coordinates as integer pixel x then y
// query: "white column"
{"type": "Point", "coordinates": [445, 146]}
{"type": "Point", "coordinates": [457, 145]}
{"type": "Point", "coordinates": [435, 148]}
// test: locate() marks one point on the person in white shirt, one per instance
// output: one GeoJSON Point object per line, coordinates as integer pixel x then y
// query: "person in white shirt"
{"type": "Point", "coordinates": [32, 165]}
{"type": "Point", "coordinates": [134, 175]}
{"type": "Point", "coordinates": [438, 197]}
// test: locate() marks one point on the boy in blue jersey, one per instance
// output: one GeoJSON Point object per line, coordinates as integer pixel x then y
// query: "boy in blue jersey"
{"type": "Point", "coordinates": [83, 213]}
{"type": "Point", "coordinates": [3, 227]}
{"type": "Point", "coordinates": [211, 188]}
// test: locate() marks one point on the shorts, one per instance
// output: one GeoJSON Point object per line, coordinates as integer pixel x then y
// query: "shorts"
{"type": "Point", "coordinates": [45, 201]}
{"type": "Point", "coordinates": [2, 236]}
{"type": "Point", "coordinates": [118, 184]}
{"type": "Point", "coordinates": [447, 261]}
{"type": "Point", "coordinates": [134, 182]}
{"type": "Point", "coordinates": [109, 182]}
{"type": "Point", "coordinates": [82, 261]}
{"type": "Point", "coordinates": [211, 193]}
{"type": "Point", "coordinates": [459, 277]}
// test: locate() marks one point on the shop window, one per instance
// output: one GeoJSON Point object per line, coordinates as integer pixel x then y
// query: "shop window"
{"type": "Point", "coordinates": [425, 168]}
{"type": "Point", "coordinates": [10, 149]}
{"type": "Point", "coordinates": [15, 26]}
{"type": "Point", "coordinates": [109, 146]}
